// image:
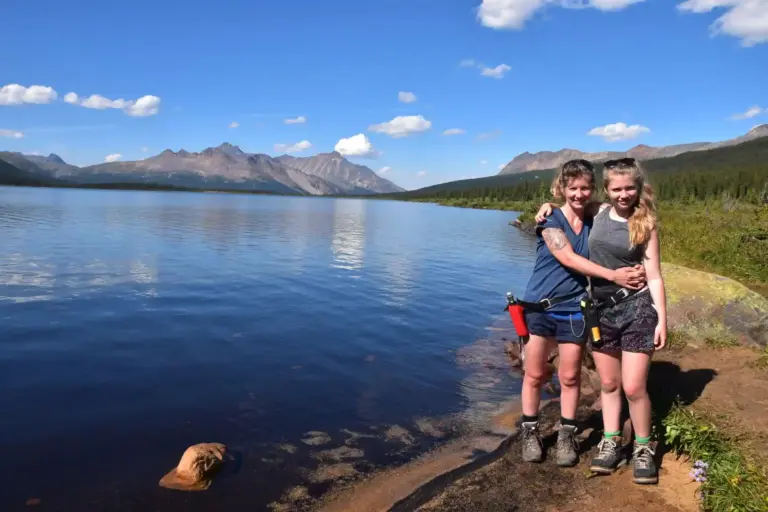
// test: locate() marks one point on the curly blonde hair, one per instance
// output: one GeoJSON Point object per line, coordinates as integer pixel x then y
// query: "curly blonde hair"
{"type": "Point", "coordinates": [569, 170]}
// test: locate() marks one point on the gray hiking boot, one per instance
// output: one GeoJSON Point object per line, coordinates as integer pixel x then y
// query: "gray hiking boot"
{"type": "Point", "coordinates": [567, 446]}
{"type": "Point", "coordinates": [532, 447]}
{"type": "Point", "coordinates": [644, 471]}
{"type": "Point", "coordinates": [608, 457]}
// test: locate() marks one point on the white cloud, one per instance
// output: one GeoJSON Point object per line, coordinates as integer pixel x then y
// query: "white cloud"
{"type": "Point", "coordinates": [618, 131]}
{"type": "Point", "coordinates": [142, 107]}
{"type": "Point", "coordinates": [384, 170]}
{"type": "Point", "coordinates": [114, 157]}
{"type": "Point", "coordinates": [402, 126]}
{"type": "Point", "coordinates": [296, 120]}
{"type": "Point", "coordinates": [357, 145]}
{"type": "Point", "coordinates": [744, 19]}
{"type": "Point", "coordinates": [467, 63]}
{"type": "Point", "coordinates": [406, 97]}
{"type": "Point", "coordinates": [502, 166]}
{"type": "Point", "coordinates": [15, 94]}
{"type": "Point", "coordinates": [512, 14]}
{"type": "Point", "coordinates": [498, 72]}
{"type": "Point", "coordinates": [144, 149]}
{"type": "Point", "coordinates": [234, 124]}
{"type": "Point", "coordinates": [293, 148]}
{"type": "Point", "coordinates": [483, 162]}
{"type": "Point", "coordinates": [421, 174]}
{"type": "Point", "coordinates": [454, 131]}
{"type": "Point", "coordinates": [750, 113]}
{"type": "Point", "coordinates": [11, 134]}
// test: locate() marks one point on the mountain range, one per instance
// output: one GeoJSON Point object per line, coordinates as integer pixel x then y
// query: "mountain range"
{"type": "Point", "coordinates": [552, 159]}
{"type": "Point", "coordinates": [222, 167]}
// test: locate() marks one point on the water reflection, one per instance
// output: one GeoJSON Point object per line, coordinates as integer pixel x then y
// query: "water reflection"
{"type": "Point", "coordinates": [348, 241]}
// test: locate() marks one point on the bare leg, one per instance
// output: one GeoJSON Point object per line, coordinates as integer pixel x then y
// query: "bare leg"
{"type": "Point", "coordinates": [537, 351]}
{"type": "Point", "coordinates": [634, 378]}
{"type": "Point", "coordinates": [609, 368]}
{"type": "Point", "coordinates": [569, 374]}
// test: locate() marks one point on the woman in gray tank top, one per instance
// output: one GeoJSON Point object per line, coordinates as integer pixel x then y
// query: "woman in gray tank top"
{"type": "Point", "coordinates": [624, 234]}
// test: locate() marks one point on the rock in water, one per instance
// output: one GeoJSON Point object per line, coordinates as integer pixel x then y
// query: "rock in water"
{"type": "Point", "coordinates": [196, 468]}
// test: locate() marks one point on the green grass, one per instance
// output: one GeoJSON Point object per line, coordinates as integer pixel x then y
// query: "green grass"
{"type": "Point", "coordinates": [733, 483]}
{"type": "Point", "coordinates": [761, 363]}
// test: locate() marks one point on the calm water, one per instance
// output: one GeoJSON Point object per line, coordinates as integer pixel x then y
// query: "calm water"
{"type": "Point", "coordinates": [135, 324]}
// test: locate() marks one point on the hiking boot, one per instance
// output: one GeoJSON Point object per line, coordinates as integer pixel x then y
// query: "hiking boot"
{"type": "Point", "coordinates": [644, 471]}
{"type": "Point", "coordinates": [532, 447]}
{"type": "Point", "coordinates": [609, 457]}
{"type": "Point", "coordinates": [567, 446]}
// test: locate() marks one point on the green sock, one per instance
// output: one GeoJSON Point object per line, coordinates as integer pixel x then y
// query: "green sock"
{"type": "Point", "coordinates": [609, 435]}
{"type": "Point", "coordinates": [642, 440]}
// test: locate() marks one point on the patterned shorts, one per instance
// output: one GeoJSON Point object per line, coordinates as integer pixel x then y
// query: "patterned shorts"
{"type": "Point", "coordinates": [629, 326]}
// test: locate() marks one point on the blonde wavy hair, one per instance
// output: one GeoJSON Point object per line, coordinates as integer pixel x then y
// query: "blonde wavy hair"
{"type": "Point", "coordinates": [642, 221]}
{"type": "Point", "coordinates": [570, 170]}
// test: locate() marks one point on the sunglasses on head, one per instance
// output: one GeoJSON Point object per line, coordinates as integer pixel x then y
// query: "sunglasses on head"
{"type": "Point", "coordinates": [610, 164]}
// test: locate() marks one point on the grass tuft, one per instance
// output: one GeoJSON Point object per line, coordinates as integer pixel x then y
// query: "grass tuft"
{"type": "Point", "coordinates": [729, 481]}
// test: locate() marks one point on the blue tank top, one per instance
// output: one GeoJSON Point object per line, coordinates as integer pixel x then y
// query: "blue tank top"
{"type": "Point", "coordinates": [550, 279]}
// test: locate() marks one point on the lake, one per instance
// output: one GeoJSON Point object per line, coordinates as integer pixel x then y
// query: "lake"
{"type": "Point", "coordinates": [135, 324]}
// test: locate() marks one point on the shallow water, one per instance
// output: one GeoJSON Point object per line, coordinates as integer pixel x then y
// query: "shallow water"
{"type": "Point", "coordinates": [135, 324]}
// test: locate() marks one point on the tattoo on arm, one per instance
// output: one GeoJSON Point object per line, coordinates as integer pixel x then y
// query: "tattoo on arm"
{"type": "Point", "coordinates": [555, 239]}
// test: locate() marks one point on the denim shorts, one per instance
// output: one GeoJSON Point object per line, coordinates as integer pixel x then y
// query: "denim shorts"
{"type": "Point", "coordinates": [564, 327]}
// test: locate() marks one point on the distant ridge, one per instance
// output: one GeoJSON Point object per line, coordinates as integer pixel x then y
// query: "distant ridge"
{"type": "Point", "coordinates": [551, 159]}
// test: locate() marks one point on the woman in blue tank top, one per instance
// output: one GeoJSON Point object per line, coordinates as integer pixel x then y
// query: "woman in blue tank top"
{"type": "Point", "coordinates": [554, 318]}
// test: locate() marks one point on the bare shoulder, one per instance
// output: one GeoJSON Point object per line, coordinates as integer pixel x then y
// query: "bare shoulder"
{"type": "Point", "coordinates": [554, 238]}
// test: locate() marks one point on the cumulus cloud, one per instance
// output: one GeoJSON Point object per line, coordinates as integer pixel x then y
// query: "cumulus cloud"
{"type": "Point", "coordinates": [234, 124]}
{"type": "Point", "coordinates": [296, 120]}
{"type": "Point", "coordinates": [293, 148]}
{"type": "Point", "coordinates": [142, 107]}
{"type": "Point", "coordinates": [421, 174]}
{"type": "Point", "coordinates": [454, 131]}
{"type": "Point", "coordinates": [11, 134]}
{"type": "Point", "coordinates": [406, 97]}
{"type": "Point", "coordinates": [384, 170]}
{"type": "Point", "coordinates": [512, 14]}
{"type": "Point", "coordinates": [743, 19]}
{"type": "Point", "coordinates": [618, 131]}
{"type": "Point", "coordinates": [357, 145]}
{"type": "Point", "coordinates": [402, 126]}
{"type": "Point", "coordinates": [15, 94]}
{"type": "Point", "coordinates": [750, 113]}
{"type": "Point", "coordinates": [114, 157]}
{"type": "Point", "coordinates": [498, 72]}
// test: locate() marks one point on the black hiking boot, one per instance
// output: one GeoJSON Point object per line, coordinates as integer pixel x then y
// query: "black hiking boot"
{"type": "Point", "coordinates": [609, 456]}
{"type": "Point", "coordinates": [567, 446]}
{"type": "Point", "coordinates": [531, 441]}
{"type": "Point", "coordinates": [644, 471]}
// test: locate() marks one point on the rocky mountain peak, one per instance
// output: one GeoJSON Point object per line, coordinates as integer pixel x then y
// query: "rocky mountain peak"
{"type": "Point", "coordinates": [53, 157]}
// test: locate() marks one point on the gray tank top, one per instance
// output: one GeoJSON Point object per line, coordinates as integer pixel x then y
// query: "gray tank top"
{"type": "Point", "coordinates": [609, 247]}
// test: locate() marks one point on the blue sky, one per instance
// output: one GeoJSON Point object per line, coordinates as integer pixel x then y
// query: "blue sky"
{"type": "Point", "coordinates": [513, 75]}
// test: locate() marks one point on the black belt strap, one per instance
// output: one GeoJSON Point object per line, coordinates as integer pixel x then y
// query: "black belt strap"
{"type": "Point", "coordinates": [617, 297]}
{"type": "Point", "coordinates": [545, 304]}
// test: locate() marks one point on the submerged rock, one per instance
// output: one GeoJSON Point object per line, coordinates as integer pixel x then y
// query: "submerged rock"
{"type": "Point", "coordinates": [196, 468]}
{"type": "Point", "coordinates": [398, 433]}
{"type": "Point", "coordinates": [316, 438]}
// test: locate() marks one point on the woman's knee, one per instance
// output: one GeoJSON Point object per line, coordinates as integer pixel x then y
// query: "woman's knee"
{"type": "Point", "coordinates": [610, 384]}
{"type": "Point", "coordinates": [635, 391]}
{"type": "Point", "coordinates": [536, 376]}
{"type": "Point", "coordinates": [569, 378]}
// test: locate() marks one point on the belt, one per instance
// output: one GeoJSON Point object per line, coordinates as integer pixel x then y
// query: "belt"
{"type": "Point", "coordinates": [617, 297]}
{"type": "Point", "coordinates": [545, 304]}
